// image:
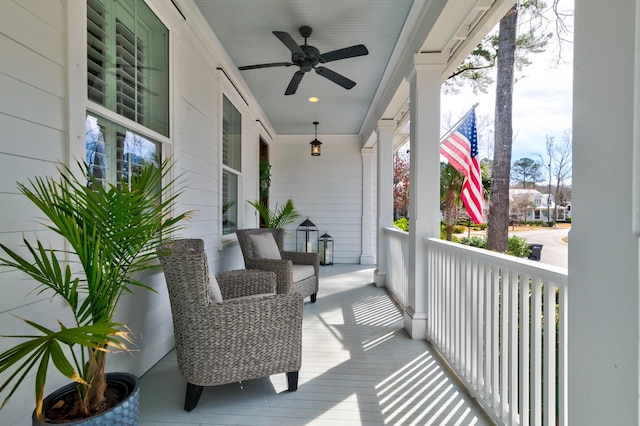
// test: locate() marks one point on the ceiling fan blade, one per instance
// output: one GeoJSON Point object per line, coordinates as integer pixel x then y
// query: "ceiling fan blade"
{"type": "Point", "coordinates": [335, 77]}
{"type": "Point", "coordinates": [291, 44]}
{"type": "Point", "coordinates": [273, 64]}
{"type": "Point", "coordinates": [294, 83]}
{"type": "Point", "coordinates": [347, 52]}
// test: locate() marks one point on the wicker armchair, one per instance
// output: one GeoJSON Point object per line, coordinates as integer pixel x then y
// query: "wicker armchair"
{"type": "Point", "coordinates": [241, 338]}
{"type": "Point", "coordinates": [293, 270]}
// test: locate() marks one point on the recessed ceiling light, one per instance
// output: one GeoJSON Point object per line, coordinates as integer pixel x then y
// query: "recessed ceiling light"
{"type": "Point", "coordinates": [313, 99]}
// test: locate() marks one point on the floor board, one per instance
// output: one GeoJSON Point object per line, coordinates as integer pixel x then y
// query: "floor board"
{"type": "Point", "coordinates": [359, 367]}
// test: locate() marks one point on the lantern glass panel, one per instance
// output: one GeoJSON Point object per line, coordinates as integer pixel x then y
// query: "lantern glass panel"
{"type": "Point", "coordinates": [325, 249]}
{"type": "Point", "coordinates": [307, 237]}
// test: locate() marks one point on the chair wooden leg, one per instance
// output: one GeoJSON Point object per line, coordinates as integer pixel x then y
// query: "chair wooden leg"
{"type": "Point", "coordinates": [192, 397]}
{"type": "Point", "coordinates": [313, 297]}
{"type": "Point", "coordinates": [292, 381]}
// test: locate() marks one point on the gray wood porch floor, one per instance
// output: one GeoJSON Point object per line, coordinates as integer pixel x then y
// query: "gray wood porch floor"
{"type": "Point", "coordinates": [359, 367]}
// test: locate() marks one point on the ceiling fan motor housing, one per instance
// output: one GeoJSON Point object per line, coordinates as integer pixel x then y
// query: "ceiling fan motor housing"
{"type": "Point", "coordinates": [310, 59]}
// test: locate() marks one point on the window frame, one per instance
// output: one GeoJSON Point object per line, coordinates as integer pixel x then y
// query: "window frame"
{"type": "Point", "coordinates": [236, 101]}
{"type": "Point", "coordinates": [93, 108]}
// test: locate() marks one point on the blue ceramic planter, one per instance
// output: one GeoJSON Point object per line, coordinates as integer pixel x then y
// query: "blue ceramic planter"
{"type": "Point", "coordinates": [125, 413]}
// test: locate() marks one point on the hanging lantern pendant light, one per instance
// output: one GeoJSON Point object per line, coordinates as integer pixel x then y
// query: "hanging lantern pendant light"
{"type": "Point", "coordinates": [315, 144]}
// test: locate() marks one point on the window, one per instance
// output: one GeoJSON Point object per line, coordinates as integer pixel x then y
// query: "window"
{"type": "Point", "coordinates": [130, 151]}
{"type": "Point", "coordinates": [231, 165]}
{"type": "Point", "coordinates": [127, 82]}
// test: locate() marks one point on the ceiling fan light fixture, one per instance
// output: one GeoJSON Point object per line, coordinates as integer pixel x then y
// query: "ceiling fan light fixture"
{"type": "Point", "coordinates": [315, 143]}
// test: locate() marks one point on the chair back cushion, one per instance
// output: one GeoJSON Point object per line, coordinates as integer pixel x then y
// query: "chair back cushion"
{"type": "Point", "coordinates": [264, 246]}
{"type": "Point", "coordinates": [247, 246]}
{"type": "Point", "coordinates": [215, 295]}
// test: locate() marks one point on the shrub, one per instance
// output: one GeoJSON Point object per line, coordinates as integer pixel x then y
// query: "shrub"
{"type": "Point", "coordinates": [459, 229]}
{"type": "Point", "coordinates": [475, 241]}
{"type": "Point", "coordinates": [402, 223]}
{"type": "Point", "coordinates": [518, 246]}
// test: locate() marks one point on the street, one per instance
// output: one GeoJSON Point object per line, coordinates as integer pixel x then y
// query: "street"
{"type": "Point", "coordinates": [554, 250]}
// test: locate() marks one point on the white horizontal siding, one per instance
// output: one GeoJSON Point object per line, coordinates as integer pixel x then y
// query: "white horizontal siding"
{"type": "Point", "coordinates": [33, 122]}
{"type": "Point", "coordinates": [35, 119]}
{"type": "Point", "coordinates": [327, 188]}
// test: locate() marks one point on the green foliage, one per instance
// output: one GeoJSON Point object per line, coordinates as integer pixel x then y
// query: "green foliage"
{"type": "Point", "coordinates": [402, 223]}
{"type": "Point", "coordinates": [479, 226]}
{"type": "Point", "coordinates": [459, 229]}
{"type": "Point", "coordinates": [112, 234]}
{"type": "Point", "coordinates": [265, 178]}
{"type": "Point", "coordinates": [526, 170]}
{"type": "Point", "coordinates": [479, 241]}
{"type": "Point", "coordinates": [278, 217]}
{"type": "Point", "coordinates": [518, 246]}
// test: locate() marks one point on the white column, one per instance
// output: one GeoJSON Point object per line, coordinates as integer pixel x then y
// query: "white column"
{"type": "Point", "coordinates": [385, 133]}
{"type": "Point", "coordinates": [424, 190]}
{"type": "Point", "coordinates": [604, 255]}
{"type": "Point", "coordinates": [367, 256]}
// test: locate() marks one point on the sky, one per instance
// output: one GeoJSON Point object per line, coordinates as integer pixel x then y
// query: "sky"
{"type": "Point", "coordinates": [542, 103]}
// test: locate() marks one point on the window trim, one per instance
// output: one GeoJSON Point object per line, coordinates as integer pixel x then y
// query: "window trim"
{"type": "Point", "coordinates": [126, 122]}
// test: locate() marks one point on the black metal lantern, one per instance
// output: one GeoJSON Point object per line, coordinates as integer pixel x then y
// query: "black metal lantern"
{"type": "Point", "coordinates": [325, 249]}
{"type": "Point", "coordinates": [307, 237]}
{"type": "Point", "coordinates": [315, 143]}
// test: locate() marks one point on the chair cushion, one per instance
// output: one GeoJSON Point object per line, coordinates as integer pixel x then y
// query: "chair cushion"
{"type": "Point", "coordinates": [264, 246]}
{"type": "Point", "coordinates": [301, 272]}
{"type": "Point", "coordinates": [215, 295]}
{"type": "Point", "coordinates": [250, 297]}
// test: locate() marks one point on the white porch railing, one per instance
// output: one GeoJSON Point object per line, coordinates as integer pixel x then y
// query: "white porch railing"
{"type": "Point", "coordinates": [397, 262]}
{"type": "Point", "coordinates": [499, 321]}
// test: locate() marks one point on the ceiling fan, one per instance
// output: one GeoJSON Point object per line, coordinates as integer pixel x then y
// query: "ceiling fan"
{"type": "Point", "coordinates": [307, 58]}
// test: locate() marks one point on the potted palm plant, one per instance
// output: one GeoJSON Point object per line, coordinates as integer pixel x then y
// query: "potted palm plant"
{"type": "Point", "coordinates": [279, 217]}
{"type": "Point", "coordinates": [110, 233]}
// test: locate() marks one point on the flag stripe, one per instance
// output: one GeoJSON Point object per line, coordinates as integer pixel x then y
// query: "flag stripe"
{"type": "Point", "coordinates": [460, 148]}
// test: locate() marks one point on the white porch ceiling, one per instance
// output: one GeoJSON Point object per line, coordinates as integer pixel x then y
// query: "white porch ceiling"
{"type": "Point", "coordinates": [244, 29]}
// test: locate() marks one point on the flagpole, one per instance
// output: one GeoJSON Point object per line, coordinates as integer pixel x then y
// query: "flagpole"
{"type": "Point", "coordinates": [455, 126]}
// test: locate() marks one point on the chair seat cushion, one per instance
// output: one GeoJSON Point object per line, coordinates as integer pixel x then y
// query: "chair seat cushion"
{"type": "Point", "coordinates": [301, 272]}
{"type": "Point", "coordinates": [264, 246]}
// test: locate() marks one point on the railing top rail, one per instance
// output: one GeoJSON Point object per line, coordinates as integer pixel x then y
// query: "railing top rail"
{"type": "Point", "coordinates": [396, 231]}
{"type": "Point", "coordinates": [552, 273]}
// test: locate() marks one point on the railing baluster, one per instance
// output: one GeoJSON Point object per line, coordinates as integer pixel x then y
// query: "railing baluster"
{"type": "Point", "coordinates": [563, 396]}
{"type": "Point", "coordinates": [536, 352]}
{"type": "Point", "coordinates": [495, 338]}
{"type": "Point", "coordinates": [549, 354]}
{"type": "Point", "coordinates": [513, 346]}
{"type": "Point", "coordinates": [525, 328]}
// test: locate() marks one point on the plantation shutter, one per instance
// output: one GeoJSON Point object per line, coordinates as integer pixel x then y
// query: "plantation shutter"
{"type": "Point", "coordinates": [96, 52]}
{"type": "Point", "coordinates": [127, 61]}
{"type": "Point", "coordinates": [231, 136]}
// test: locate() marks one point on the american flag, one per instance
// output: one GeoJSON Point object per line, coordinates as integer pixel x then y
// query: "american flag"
{"type": "Point", "coordinates": [460, 148]}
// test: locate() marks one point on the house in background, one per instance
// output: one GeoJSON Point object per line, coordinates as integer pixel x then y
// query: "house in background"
{"type": "Point", "coordinates": [174, 83]}
{"type": "Point", "coordinates": [531, 204]}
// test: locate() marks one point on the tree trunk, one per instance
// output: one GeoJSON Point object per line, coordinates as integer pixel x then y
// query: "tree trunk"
{"type": "Point", "coordinates": [450, 210]}
{"type": "Point", "coordinates": [94, 397]}
{"type": "Point", "coordinates": [498, 223]}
